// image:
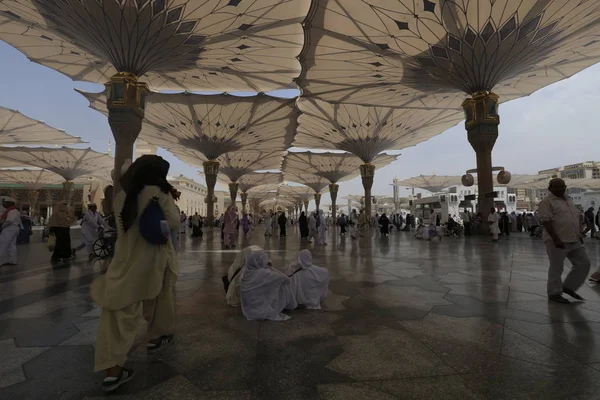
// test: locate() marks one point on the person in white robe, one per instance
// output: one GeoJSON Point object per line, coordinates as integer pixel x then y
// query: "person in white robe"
{"type": "Point", "coordinates": [309, 282]}
{"type": "Point", "coordinates": [235, 273]}
{"type": "Point", "coordinates": [90, 223]}
{"type": "Point", "coordinates": [422, 232]}
{"type": "Point", "coordinates": [312, 227]}
{"type": "Point", "coordinates": [494, 222]}
{"type": "Point", "coordinates": [10, 221]}
{"type": "Point", "coordinates": [275, 224]}
{"type": "Point", "coordinates": [183, 220]}
{"type": "Point", "coordinates": [322, 229]}
{"type": "Point", "coordinates": [268, 224]}
{"type": "Point", "coordinates": [433, 231]}
{"type": "Point", "coordinates": [265, 292]}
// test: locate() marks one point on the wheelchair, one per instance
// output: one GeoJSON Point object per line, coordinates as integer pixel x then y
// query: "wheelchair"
{"type": "Point", "coordinates": [104, 246]}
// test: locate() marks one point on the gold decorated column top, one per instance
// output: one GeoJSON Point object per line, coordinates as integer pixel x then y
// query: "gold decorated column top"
{"type": "Point", "coordinates": [125, 92]}
{"type": "Point", "coordinates": [481, 108]}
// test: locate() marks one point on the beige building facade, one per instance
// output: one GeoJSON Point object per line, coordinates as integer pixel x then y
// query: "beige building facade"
{"type": "Point", "coordinates": [192, 195]}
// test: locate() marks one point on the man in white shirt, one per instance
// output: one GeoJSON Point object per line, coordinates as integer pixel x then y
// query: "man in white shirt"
{"type": "Point", "coordinates": [562, 236]}
{"type": "Point", "coordinates": [494, 222]}
{"type": "Point", "coordinates": [10, 221]}
{"type": "Point", "coordinates": [90, 223]}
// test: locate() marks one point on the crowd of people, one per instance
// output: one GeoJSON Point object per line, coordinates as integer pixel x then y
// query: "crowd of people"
{"type": "Point", "coordinates": [141, 277]}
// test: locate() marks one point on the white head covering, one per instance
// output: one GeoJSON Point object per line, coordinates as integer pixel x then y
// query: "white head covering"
{"type": "Point", "coordinates": [233, 292]}
{"type": "Point", "coordinates": [310, 285]}
{"type": "Point", "coordinates": [260, 289]}
{"type": "Point", "coordinates": [304, 259]}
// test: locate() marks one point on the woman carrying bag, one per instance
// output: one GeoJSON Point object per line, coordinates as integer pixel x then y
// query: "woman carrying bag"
{"type": "Point", "coordinates": [141, 277]}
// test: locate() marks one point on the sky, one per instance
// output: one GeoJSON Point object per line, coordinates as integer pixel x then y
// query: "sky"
{"type": "Point", "coordinates": [554, 126]}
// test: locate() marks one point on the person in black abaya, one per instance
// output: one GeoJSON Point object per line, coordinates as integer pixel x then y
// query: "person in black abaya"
{"type": "Point", "coordinates": [384, 224]}
{"type": "Point", "coordinates": [505, 224]}
{"type": "Point", "coordinates": [282, 221]}
{"type": "Point", "coordinates": [303, 223]}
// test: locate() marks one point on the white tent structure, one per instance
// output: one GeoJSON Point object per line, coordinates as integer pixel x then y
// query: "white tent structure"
{"type": "Point", "coordinates": [131, 46]}
{"type": "Point", "coordinates": [199, 129]}
{"type": "Point", "coordinates": [366, 131]}
{"type": "Point", "coordinates": [258, 181]}
{"type": "Point", "coordinates": [431, 183]}
{"type": "Point", "coordinates": [17, 129]}
{"type": "Point", "coordinates": [70, 164]}
{"type": "Point", "coordinates": [334, 167]}
{"type": "Point", "coordinates": [430, 56]}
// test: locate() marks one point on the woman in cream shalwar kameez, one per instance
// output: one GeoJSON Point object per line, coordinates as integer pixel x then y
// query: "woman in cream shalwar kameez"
{"type": "Point", "coordinates": [265, 292]}
{"type": "Point", "coordinates": [141, 277]}
{"type": "Point", "coordinates": [233, 291]}
{"type": "Point", "coordinates": [309, 282]}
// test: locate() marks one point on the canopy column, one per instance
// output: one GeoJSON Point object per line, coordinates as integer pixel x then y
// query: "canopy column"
{"type": "Point", "coordinates": [306, 206]}
{"type": "Point", "coordinates": [125, 103]}
{"type": "Point", "coordinates": [211, 170]}
{"type": "Point", "coordinates": [333, 192]}
{"type": "Point", "coordinates": [244, 197]}
{"type": "Point", "coordinates": [67, 191]}
{"type": "Point", "coordinates": [367, 173]}
{"type": "Point", "coordinates": [233, 189]}
{"type": "Point", "coordinates": [34, 196]}
{"type": "Point", "coordinates": [317, 200]}
{"type": "Point", "coordinates": [50, 201]}
{"type": "Point", "coordinates": [482, 120]}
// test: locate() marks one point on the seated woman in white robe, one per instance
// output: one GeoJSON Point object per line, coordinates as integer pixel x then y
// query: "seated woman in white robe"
{"type": "Point", "coordinates": [422, 232]}
{"type": "Point", "coordinates": [265, 292]}
{"type": "Point", "coordinates": [233, 291]}
{"type": "Point", "coordinates": [309, 282]}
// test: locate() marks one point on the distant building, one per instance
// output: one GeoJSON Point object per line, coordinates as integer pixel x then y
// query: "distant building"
{"type": "Point", "coordinates": [505, 200]}
{"type": "Point", "coordinates": [192, 195]}
{"type": "Point", "coordinates": [582, 170]}
{"type": "Point", "coordinates": [47, 197]}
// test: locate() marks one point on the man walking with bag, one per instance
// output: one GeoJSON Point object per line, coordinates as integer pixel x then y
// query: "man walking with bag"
{"type": "Point", "coordinates": [562, 237]}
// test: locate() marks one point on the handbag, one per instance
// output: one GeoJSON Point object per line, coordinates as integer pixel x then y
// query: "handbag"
{"type": "Point", "coordinates": [51, 243]}
{"type": "Point", "coordinates": [227, 282]}
{"type": "Point", "coordinates": [150, 223]}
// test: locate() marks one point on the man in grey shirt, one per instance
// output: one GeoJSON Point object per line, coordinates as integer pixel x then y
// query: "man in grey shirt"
{"type": "Point", "coordinates": [562, 237]}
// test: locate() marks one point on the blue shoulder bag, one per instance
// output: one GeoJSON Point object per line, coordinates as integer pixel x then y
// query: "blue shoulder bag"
{"type": "Point", "coordinates": [150, 223]}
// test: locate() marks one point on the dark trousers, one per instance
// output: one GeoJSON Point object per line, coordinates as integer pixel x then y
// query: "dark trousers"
{"type": "Point", "coordinates": [590, 227]}
{"type": "Point", "coordinates": [467, 229]}
{"type": "Point", "coordinates": [62, 249]}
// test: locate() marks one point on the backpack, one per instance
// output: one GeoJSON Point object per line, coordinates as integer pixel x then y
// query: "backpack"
{"type": "Point", "coordinates": [150, 223]}
{"type": "Point", "coordinates": [227, 282]}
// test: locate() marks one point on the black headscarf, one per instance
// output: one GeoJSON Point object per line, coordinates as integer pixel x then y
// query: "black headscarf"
{"type": "Point", "coordinates": [148, 170]}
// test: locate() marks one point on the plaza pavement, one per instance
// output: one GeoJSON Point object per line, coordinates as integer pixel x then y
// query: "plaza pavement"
{"type": "Point", "coordinates": [405, 319]}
